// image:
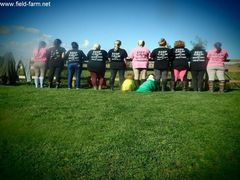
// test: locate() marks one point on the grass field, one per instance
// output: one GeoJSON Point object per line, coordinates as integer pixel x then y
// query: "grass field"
{"type": "Point", "coordinates": [87, 134]}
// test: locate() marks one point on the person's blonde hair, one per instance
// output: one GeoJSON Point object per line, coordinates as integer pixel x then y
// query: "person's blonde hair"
{"type": "Point", "coordinates": [129, 76]}
{"type": "Point", "coordinates": [96, 46]}
{"type": "Point", "coordinates": [162, 42]}
{"type": "Point", "coordinates": [141, 42]}
{"type": "Point", "coordinates": [179, 44]}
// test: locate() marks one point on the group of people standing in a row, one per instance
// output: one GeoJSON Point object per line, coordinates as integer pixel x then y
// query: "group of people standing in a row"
{"type": "Point", "coordinates": [178, 60]}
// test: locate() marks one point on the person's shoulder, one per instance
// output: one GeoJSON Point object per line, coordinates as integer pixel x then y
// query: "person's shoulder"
{"type": "Point", "coordinates": [51, 48]}
{"type": "Point", "coordinates": [80, 51]}
{"type": "Point", "coordinates": [62, 49]}
{"type": "Point", "coordinates": [155, 50]}
{"type": "Point", "coordinates": [224, 51]}
{"type": "Point", "coordinates": [210, 51]}
{"type": "Point", "coordinates": [122, 50]}
{"type": "Point", "coordinates": [111, 50]}
{"type": "Point", "coordinates": [103, 51]}
{"type": "Point", "coordinates": [147, 49]}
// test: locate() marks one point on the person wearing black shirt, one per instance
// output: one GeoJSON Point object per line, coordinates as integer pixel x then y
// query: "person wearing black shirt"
{"type": "Point", "coordinates": [161, 57]}
{"type": "Point", "coordinates": [180, 65]}
{"type": "Point", "coordinates": [55, 58]}
{"type": "Point", "coordinates": [97, 65]}
{"type": "Point", "coordinates": [75, 58]}
{"type": "Point", "coordinates": [117, 58]}
{"type": "Point", "coordinates": [198, 64]}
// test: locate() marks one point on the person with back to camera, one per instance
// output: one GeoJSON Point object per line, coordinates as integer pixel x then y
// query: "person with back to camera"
{"type": "Point", "coordinates": [97, 66]}
{"type": "Point", "coordinates": [198, 63]}
{"type": "Point", "coordinates": [128, 84]}
{"type": "Point", "coordinates": [140, 57]}
{"type": "Point", "coordinates": [148, 86]}
{"type": "Point", "coordinates": [117, 58]}
{"type": "Point", "coordinates": [216, 58]}
{"type": "Point", "coordinates": [161, 57]}
{"type": "Point", "coordinates": [180, 65]}
{"type": "Point", "coordinates": [55, 62]}
{"type": "Point", "coordinates": [75, 58]}
{"type": "Point", "coordinates": [40, 58]}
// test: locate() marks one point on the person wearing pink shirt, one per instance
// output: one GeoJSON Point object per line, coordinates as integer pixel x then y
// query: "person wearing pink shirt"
{"type": "Point", "coordinates": [216, 58]}
{"type": "Point", "coordinates": [39, 58]}
{"type": "Point", "coordinates": [140, 57]}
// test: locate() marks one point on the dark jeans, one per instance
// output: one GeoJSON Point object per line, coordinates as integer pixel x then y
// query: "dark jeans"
{"type": "Point", "coordinates": [54, 70]}
{"type": "Point", "coordinates": [121, 73]}
{"type": "Point", "coordinates": [74, 67]}
{"type": "Point", "coordinates": [197, 80]}
{"type": "Point", "coordinates": [97, 77]}
{"type": "Point", "coordinates": [160, 74]}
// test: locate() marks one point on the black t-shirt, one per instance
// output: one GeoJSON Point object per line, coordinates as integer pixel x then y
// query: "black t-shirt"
{"type": "Point", "coordinates": [75, 56]}
{"type": "Point", "coordinates": [180, 58]}
{"type": "Point", "coordinates": [198, 60]}
{"type": "Point", "coordinates": [161, 57]}
{"type": "Point", "coordinates": [97, 60]}
{"type": "Point", "coordinates": [117, 58]}
{"type": "Point", "coordinates": [54, 56]}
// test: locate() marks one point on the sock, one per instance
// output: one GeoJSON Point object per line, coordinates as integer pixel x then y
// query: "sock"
{"type": "Point", "coordinates": [41, 82]}
{"type": "Point", "coordinates": [36, 82]}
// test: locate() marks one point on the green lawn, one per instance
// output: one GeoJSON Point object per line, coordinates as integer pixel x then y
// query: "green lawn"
{"type": "Point", "coordinates": [87, 134]}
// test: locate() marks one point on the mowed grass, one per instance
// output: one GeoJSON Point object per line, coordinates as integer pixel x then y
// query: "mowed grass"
{"type": "Point", "coordinates": [87, 134]}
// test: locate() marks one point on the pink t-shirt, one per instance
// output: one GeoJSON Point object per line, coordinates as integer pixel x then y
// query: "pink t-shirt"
{"type": "Point", "coordinates": [216, 59]}
{"type": "Point", "coordinates": [140, 57]}
{"type": "Point", "coordinates": [40, 55]}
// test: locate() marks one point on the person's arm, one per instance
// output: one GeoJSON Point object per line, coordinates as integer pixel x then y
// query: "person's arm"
{"type": "Point", "coordinates": [83, 57]}
{"type": "Point", "coordinates": [208, 55]}
{"type": "Point", "coordinates": [89, 55]}
{"type": "Point", "coordinates": [226, 56]}
{"type": "Point", "coordinates": [66, 56]}
{"type": "Point", "coordinates": [63, 53]}
{"type": "Point", "coordinates": [109, 56]}
{"type": "Point", "coordinates": [125, 55]}
{"type": "Point", "coordinates": [149, 55]}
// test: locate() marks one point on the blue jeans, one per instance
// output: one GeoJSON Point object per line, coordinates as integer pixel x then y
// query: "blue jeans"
{"type": "Point", "coordinates": [74, 67]}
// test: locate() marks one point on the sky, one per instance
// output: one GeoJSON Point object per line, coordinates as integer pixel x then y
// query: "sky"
{"type": "Point", "coordinates": [104, 21]}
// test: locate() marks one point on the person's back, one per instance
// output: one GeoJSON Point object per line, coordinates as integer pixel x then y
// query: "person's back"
{"type": "Point", "coordinates": [198, 59]}
{"type": "Point", "coordinates": [147, 86]}
{"type": "Point", "coordinates": [216, 58]}
{"type": "Point", "coordinates": [56, 55]}
{"type": "Point", "coordinates": [97, 60]}
{"type": "Point", "coordinates": [140, 56]}
{"type": "Point", "coordinates": [181, 57]}
{"type": "Point", "coordinates": [40, 54]}
{"type": "Point", "coordinates": [128, 85]}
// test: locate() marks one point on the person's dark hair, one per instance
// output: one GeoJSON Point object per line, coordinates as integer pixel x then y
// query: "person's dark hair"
{"type": "Point", "coordinates": [74, 45]}
{"type": "Point", "coordinates": [57, 42]}
{"type": "Point", "coordinates": [42, 44]}
{"type": "Point", "coordinates": [218, 45]}
{"type": "Point", "coordinates": [119, 42]}
{"type": "Point", "coordinates": [198, 46]}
